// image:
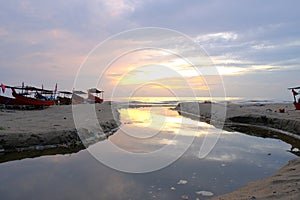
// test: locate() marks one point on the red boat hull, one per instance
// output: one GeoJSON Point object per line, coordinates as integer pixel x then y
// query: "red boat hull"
{"type": "Point", "coordinates": [64, 100]}
{"type": "Point", "coordinates": [31, 101]}
{"type": "Point", "coordinates": [8, 101]}
{"type": "Point", "coordinates": [297, 106]}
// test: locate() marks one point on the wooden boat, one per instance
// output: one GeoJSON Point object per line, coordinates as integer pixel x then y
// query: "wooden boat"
{"type": "Point", "coordinates": [94, 95]}
{"type": "Point", "coordinates": [64, 98]}
{"type": "Point", "coordinates": [297, 106]}
{"type": "Point", "coordinates": [8, 101]}
{"type": "Point", "coordinates": [24, 100]}
{"type": "Point", "coordinates": [76, 98]}
{"type": "Point", "coordinates": [296, 92]}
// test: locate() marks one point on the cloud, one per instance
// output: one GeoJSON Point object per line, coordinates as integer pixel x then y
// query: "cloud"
{"type": "Point", "coordinates": [46, 40]}
{"type": "Point", "coordinates": [213, 37]}
{"type": "Point", "coordinates": [120, 7]}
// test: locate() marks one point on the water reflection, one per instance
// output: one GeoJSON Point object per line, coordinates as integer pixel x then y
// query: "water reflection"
{"type": "Point", "coordinates": [236, 160]}
{"type": "Point", "coordinates": [159, 128]}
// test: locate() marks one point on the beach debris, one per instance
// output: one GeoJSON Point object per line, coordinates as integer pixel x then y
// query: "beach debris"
{"type": "Point", "coordinates": [194, 175]}
{"type": "Point", "coordinates": [205, 193]}
{"type": "Point", "coordinates": [182, 182]}
{"type": "Point", "coordinates": [184, 196]}
{"type": "Point", "coordinates": [223, 164]}
{"type": "Point", "coordinates": [173, 188]}
{"type": "Point", "coordinates": [281, 110]}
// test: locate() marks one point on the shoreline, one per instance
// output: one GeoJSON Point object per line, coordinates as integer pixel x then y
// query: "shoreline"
{"type": "Point", "coordinates": [284, 185]}
{"type": "Point", "coordinates": [253, 114]}
{"type": "Point", "coordinates": [263, 120]}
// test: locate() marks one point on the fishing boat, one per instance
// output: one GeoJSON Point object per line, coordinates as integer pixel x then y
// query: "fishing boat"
{"type": "Point", "coordinates": [24, 96]}
{"type": "Point", "coordinates": [8, 100]}
{"type": "Point", "coordinates": [64, 98]}
{"type": "Point", "coordinates": [25, 99]}
{"type": "Point", "coordinates": [76, 98]}
{"type": "Point", "coordinates": [95, 95]}
{"type": "Point", "coordinates": [296, 92]}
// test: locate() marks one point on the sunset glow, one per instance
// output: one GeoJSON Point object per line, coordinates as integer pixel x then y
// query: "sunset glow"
{"type": "Point", "coordinates": [43, 43]}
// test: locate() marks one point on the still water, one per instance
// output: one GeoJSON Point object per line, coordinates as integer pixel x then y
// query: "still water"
{"type": "Point", "coordinates": [235, 160]}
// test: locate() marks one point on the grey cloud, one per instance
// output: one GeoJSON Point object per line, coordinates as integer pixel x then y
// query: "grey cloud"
{"type": "Point", "coordinates": [263, 32]}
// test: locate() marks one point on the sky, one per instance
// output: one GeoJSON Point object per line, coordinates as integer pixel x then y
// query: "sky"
{"type": "Point", "coordinates": [254, 45]}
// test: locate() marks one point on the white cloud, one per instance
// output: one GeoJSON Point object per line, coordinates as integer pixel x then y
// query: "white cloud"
{"type": "Point", "coordinates": [263, 46]}
{"type": "Point", "coordinates": [224, 36]}
{"type": "Point", "coordinates": [119, 7]}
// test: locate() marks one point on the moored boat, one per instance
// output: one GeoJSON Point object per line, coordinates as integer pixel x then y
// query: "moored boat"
{"type": "Point", "coordinates": [64, 98]}
{"type": "Point", "coordinates": [76, 98]}
{"type": "Point", "coordinates": [40, 97]}
{"type": "Point", "coordinates": [95, 95]}
{"type": "Point", "coordinates": [23, 100]}
{"type": "Point", "coordinates": [296, 92]}
{"type": "Point", "coordinates": [8, 101]}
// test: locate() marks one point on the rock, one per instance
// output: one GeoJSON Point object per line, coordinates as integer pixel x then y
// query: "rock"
{"type": "Point", "coordinates": [182, 182]}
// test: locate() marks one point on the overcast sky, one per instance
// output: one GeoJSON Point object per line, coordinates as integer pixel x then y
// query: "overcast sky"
{"type": "Point", "coordinates": [255, 44]}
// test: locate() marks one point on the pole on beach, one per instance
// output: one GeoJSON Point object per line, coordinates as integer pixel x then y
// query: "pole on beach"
{"type": "Point", "coordinates": [22, 87]}
{"type": "Point", "coordinates": [55, 90]}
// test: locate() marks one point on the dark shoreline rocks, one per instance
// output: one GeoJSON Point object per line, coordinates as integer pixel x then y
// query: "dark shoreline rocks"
{"type": "Point", "coordinates": [288, 125]}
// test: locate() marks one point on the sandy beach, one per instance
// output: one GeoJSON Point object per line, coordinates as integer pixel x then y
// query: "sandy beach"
{"type": "Point", "coordinates": [285, 184]}
{"type": "Point", "coordinates": [254, 114]}
{"type": "Point", "coordinates": [52, 127]}
{"type": "Point", "coordinates": [264, 120]}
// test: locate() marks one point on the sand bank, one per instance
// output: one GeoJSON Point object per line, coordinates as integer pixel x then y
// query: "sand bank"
{"type": "Point", "coordinates": [262, 120]}
{"type": "Point", "coordinates": [285, 184]}
{"type": "Point", "coordinates": [266, 115]}
{"type": "Point", "coordinates": [52, 127]}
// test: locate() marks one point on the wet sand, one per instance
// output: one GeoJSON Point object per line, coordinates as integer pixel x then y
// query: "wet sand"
{"type": "Point", "coordinates": [264, 120]}
{"type": "Point", "coordinates": [285, 185]}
